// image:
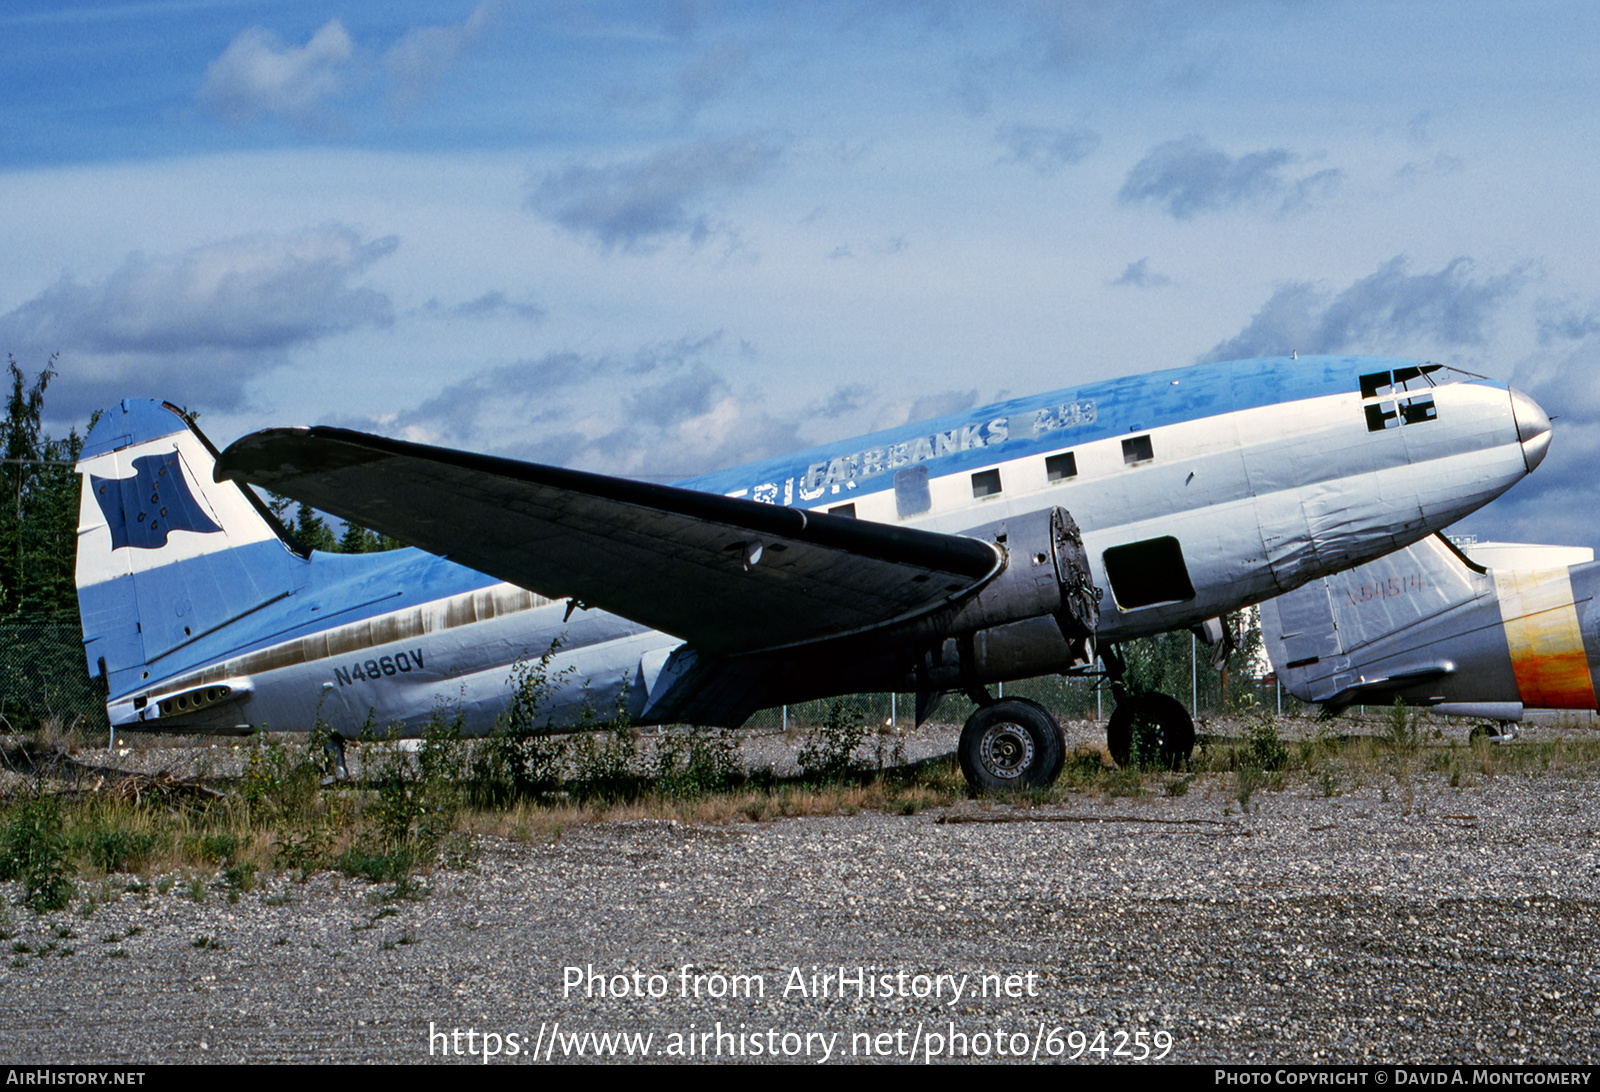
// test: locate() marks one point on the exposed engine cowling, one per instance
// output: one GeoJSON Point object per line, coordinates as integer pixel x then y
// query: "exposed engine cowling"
{"type": "Point", "coordinates": [1036, 617]}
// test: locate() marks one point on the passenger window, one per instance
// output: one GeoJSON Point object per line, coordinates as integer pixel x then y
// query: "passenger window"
{"type": "Point", "coordinates": [1144, 574]}
{"type": "Point", "coordinates": [1058, 468]}
{"type": "Point", "coordinates": [1137, 450]}
{"type": "Point", "coordinates": [843, 510]}
{"type": "Point", "coordinates": [986, 483]}
{"type": "Point", "coordinates": [911, 496]}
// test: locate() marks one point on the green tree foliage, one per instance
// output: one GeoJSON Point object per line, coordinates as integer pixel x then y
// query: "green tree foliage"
{"type": "Point", "coordinates": [358, 540]}
{"type": "Point", "coordinates": [1164, 664]}
{"type": "Point", "coordinates": [313, 532]}
{"type": "Point", "coordinates": [38, 504]}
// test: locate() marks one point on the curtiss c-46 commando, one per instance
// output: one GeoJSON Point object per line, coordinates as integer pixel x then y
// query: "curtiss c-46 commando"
{"type": "Point", "coordinates": [1028, 537]}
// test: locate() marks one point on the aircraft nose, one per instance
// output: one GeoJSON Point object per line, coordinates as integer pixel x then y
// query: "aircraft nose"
{"type": "Point", "coordinates": [1533, 428]}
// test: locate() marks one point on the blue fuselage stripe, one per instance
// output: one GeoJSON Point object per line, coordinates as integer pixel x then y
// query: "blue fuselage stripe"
{"type": "Point", "coordinates": [340, 589]}
{"type": "Point", "coordinates": [1041, 423]}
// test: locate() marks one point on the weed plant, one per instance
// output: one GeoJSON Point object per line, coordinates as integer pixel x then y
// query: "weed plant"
{"type": "Point", "coordinates": [33, 849]}
{"type": "Point", "coordinates": [696, 764]}
{"type": "Point", "coordinates": [520, 759]}
{"type": "Point", "coordinates": [413, 810]}
{"type": "Point", "coordinates": [829, 750]}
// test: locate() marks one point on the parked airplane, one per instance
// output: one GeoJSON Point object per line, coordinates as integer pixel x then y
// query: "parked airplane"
{"type": "Point", "coordinates": [933, 557]}
{"type": "Point", "coordinates": [1430, 626]}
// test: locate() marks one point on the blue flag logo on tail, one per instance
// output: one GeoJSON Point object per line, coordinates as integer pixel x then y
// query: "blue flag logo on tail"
{"type": "Point", "coordinates": [142, 510]}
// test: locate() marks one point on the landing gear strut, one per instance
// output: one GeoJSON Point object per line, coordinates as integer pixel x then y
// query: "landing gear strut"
{"type": "Point", "coordinates": [1011, 745]}
{"type": "Point", "coordinates": [1160, 724]}
{"type": "Point", "coordinates": [1500, 732]}
{"type": "Point", "coordinates": [333, 751]}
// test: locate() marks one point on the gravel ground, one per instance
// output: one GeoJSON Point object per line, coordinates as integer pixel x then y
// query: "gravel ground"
{"type": "Point", "coordinates": [1397, 920]}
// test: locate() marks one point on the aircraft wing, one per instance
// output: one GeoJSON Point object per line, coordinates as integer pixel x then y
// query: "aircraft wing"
{"type": "Point", "coordinates": [725, 574]}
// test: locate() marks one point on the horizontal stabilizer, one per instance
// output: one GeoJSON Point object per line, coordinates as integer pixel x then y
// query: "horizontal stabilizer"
{"type": "Point", "coordinates": [1380, 687]}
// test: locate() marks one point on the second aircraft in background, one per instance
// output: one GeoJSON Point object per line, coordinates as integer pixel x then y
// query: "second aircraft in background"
{"type": "Point", "coordinates": [1431, 626]}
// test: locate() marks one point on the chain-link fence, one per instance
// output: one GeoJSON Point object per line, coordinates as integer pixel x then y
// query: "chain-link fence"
{"type": "Point", "coordinates": [1067, 698]}
{"type": "Point", "coordinates": [43, 675]}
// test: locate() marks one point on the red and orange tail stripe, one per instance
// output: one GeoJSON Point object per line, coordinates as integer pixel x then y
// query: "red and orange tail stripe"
{"type": "Point", "coordinates": [1542, 633]}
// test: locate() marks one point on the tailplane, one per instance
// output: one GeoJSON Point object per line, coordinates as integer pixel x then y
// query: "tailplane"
{"type": "Point", "coordinates": [166, 555]}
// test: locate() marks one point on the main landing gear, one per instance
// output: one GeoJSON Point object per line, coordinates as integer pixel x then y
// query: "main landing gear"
{"type": "Point", "coordinates": [1159, 725]}
{"type": "Point", "coordinates": [1011, 745]}
{"type": "Point", "coordinates": [1015, 744]}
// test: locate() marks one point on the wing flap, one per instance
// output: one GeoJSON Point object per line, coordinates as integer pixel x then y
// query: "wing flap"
{"type": "Point", "coordinates": [726, 574]}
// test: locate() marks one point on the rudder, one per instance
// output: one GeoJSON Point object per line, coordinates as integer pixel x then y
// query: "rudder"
{"type": "Point", "coordinates": [166, 555]}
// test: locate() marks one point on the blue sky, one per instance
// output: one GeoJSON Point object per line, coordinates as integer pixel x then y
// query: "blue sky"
{"type": "Point", "coordinates": [656, 238]}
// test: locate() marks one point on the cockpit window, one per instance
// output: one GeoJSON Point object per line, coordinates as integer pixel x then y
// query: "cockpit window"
{"type": "Point", "coordinates": [1403, 396]}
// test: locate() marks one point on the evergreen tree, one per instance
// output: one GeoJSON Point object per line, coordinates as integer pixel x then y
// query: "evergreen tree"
{"type": "Point", "coordinates": [358, 540]}
{"type": "Point", "coordinates": [278, 505]}
{"type": "Point", "coordinates": [313, 532]}
{"type": "Point", "coordinates": [38, 504]}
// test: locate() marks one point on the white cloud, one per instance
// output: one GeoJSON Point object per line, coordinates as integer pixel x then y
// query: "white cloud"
{"type": "Point", "coordinates": [1189, 176]}
{"type": "Point", "coordinates": [1556, 503]}
{"type": "Point", "coordinates": [258, 75]}
{"type": "Point", "coordinates": [714, 73]}
{"type": "Point", "coordinates": [206, 319]}
{"type": "Point", "coordinates": [1380, 311]}
{"type": "Point", "coordinates": [261, 292]}
{"type": "Point", "coordinates": [417, 61]}
{"type": "Point", "coordinates": [634, 203]}
{"type": "Point", "coordinates": [1046, 150]}
{"type": "Point", "coordinates": [489, 305]}
{"type": "Point", "coordinates": [1138, 275]}
{"type": "Point", "coordinates": [662, 411]}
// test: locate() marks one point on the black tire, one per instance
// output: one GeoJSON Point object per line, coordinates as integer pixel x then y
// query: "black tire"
{"type": "Point", "coordinates": [1011, 746]}
{"type": "Point", "coordinates": [1167, 723]}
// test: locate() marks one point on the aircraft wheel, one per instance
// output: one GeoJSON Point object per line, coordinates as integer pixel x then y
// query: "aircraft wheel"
{"type": "Point", "coordinates": [1166, 724]}
{"type": "Point", "coordinates": [1011, 745]}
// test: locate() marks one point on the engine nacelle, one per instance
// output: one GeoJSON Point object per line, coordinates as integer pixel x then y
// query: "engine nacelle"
{"type": "Point", "coordinates": [1036, 617]}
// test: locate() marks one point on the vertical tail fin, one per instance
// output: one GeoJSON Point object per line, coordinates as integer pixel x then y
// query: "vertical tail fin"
{"type": "Point", "coordinates": [166, 555]}
{"type": "Point", "coordinates": [1327, 637]}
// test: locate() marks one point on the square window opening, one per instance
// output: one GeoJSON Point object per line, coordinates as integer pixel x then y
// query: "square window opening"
{"type": "Point", "coordinates": [1058, 468]}
{"type": "Point", "coordinates": [986, 483]}
{"type": "Point", "coordinates": [1137, 449]}
{"type": "Point", "coordinates": [1148, 573]}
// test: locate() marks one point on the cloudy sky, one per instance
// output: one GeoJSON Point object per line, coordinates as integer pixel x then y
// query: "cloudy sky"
{"type": "Point", "coordinates": [653, 238]}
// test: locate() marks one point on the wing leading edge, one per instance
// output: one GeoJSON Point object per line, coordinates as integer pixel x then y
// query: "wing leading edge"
{"type": "Point", "coordinates": [725, 574]}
